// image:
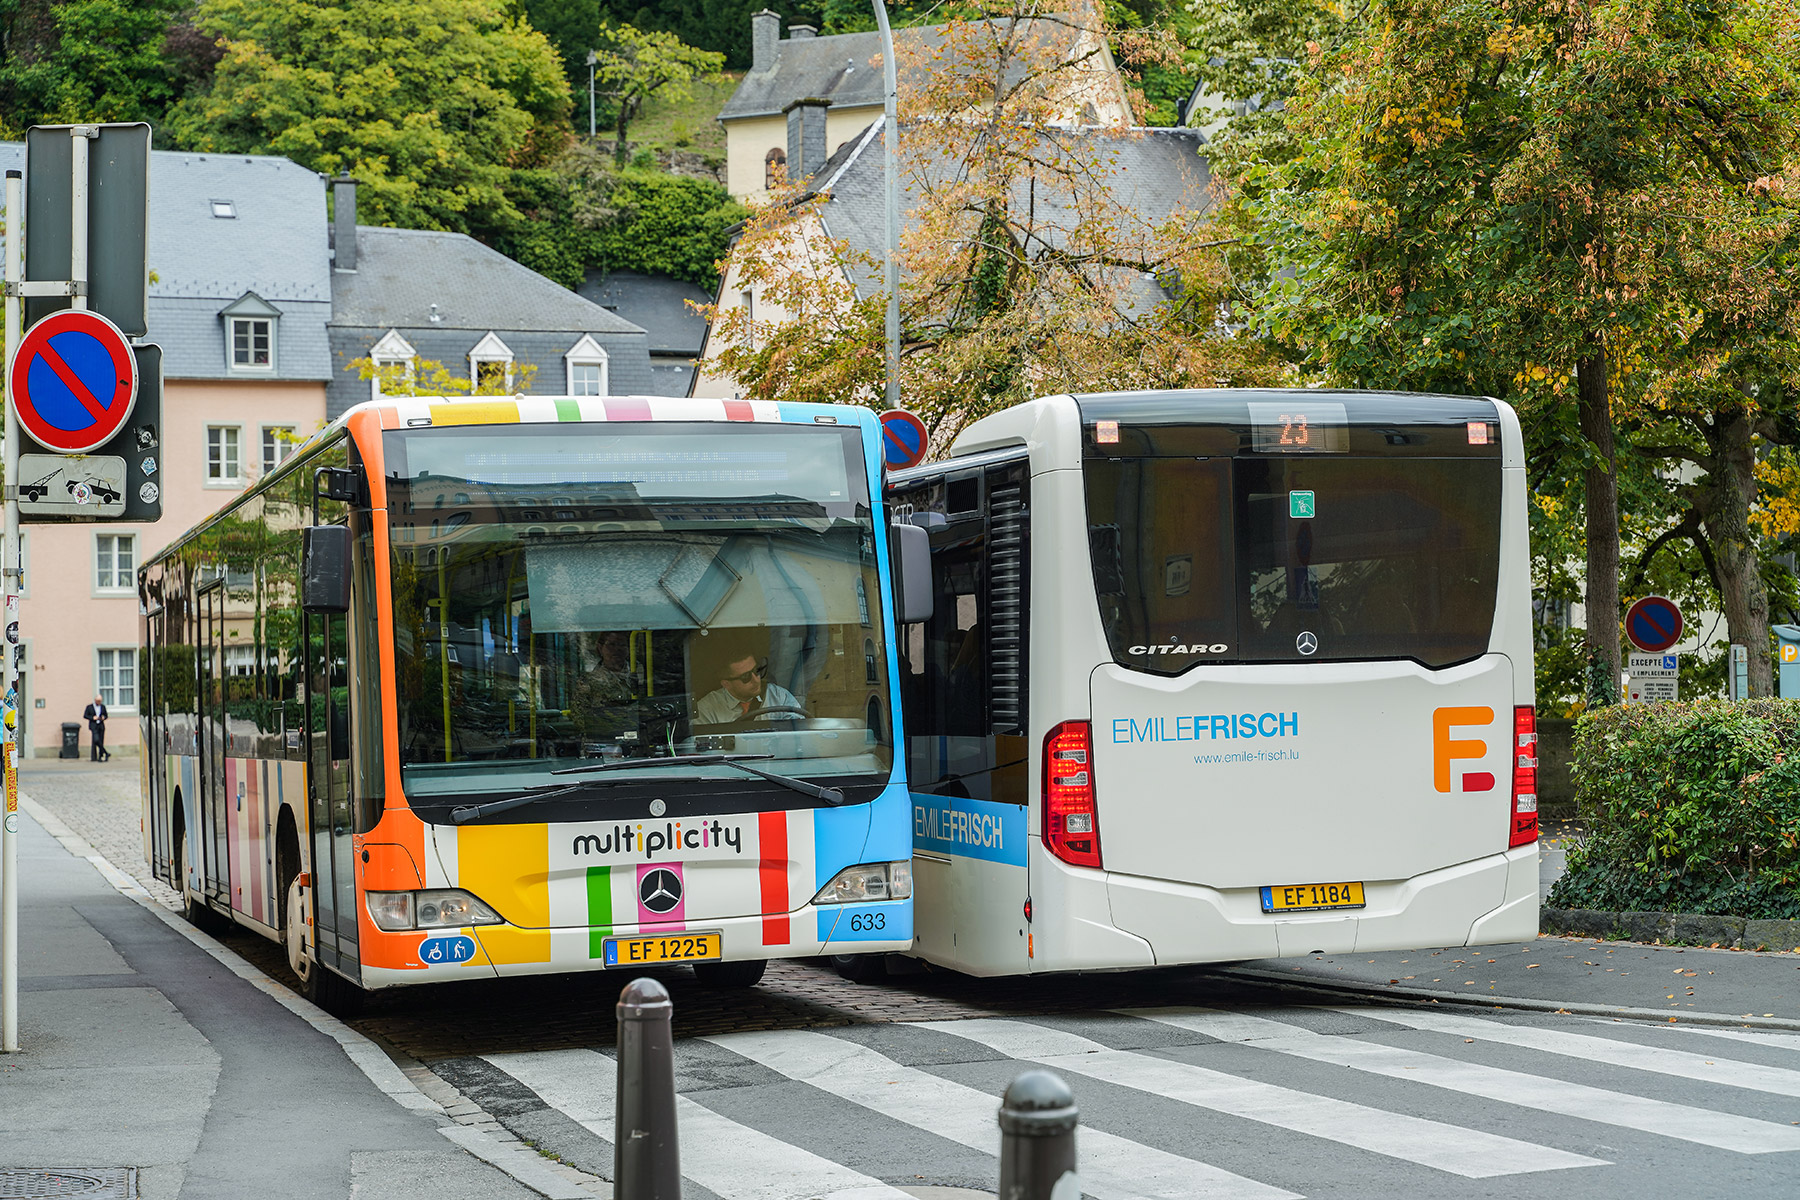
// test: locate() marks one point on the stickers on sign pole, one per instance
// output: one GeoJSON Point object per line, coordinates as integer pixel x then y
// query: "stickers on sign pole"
{"type": "Point", "coordinates": [903, 440]}
{"type": "Point", "coordinates": [74, 380]}
{"type": "Point", "coordinates": [1653, 624]}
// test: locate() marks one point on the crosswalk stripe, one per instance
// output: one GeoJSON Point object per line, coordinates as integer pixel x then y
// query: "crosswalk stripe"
{"type": "Point", "coordinates": [732, 1160]}
{"type": "Point", "coordinates": [1112, 1167]}
{"type": "Point", "coordinates": [1704, 1126]}
{"type": "Point", "coordinates": [1683, 1064]}
{"type": "Point", "coordinates": [1470, 1153]}
{"type": "Point", "coordinates": [1780, 1041]}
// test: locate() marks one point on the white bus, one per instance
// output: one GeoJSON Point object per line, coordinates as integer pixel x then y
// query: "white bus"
{"type": "Point", "coordinates": [1222, 675]}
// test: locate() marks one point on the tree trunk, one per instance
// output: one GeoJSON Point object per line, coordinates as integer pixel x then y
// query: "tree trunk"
{"type": "Point", "coordinates": [1602, 512]}
{"type": "Point", "coordinates": [1727, 523]}
{"type": "Point", "coordinates": [619, 139]}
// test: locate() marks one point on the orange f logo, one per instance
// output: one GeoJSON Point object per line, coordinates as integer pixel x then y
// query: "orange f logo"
{"type": "Point", "coordinates": [1443, 749]}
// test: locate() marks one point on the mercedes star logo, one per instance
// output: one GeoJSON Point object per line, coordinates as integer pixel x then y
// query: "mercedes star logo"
{"type": "Point", "coordinates": [660, 890]}
{"type": "Point", "coordinates": [1306, 643]}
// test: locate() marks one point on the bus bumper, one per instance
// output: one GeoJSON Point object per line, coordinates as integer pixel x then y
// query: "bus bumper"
{"type": "Point", "coordinates": [507, 950]}
{"type": "Point", "coordinates": [1491, 899]}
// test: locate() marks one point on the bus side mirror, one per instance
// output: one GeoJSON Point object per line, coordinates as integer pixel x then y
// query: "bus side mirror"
{"type": "Point", "coordinates": [909, 553]}
{"type": "Point", "coordinates": [325, 569]}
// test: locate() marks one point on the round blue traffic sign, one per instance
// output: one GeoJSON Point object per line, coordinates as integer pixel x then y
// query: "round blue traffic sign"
{"type": "Point", "coordinates": [903, 440]}
{"type": "Point", "coordinates": [74, 380]}
{"type": "Point", "coordinates": [1653, 624]}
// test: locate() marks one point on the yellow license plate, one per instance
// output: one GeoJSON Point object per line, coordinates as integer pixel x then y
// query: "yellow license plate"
{"type": "Point", "coordinates": [1312, 897]}
{"type": "Point", "coordinates": [664, 948]}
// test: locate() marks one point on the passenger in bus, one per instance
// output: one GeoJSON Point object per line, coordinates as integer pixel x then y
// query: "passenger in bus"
{"type": "Point", "coordinates": [744, 689]}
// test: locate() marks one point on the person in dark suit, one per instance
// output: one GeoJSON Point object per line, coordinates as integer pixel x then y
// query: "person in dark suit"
{"type": "Point", "coordinates": [95, 715]}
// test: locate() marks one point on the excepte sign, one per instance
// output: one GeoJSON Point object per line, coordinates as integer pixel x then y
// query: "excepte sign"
{"type": "Point", "coordinates": [1653, 678]}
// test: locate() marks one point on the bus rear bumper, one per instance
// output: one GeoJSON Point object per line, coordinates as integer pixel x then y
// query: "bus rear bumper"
{"type": "Point", "coordinates": [506, 950]}
{"type": "Point", "coordinates": [1491, 899]}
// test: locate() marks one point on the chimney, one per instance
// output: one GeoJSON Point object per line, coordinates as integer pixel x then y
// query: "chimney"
{"type": "Point", "coordinates": [343, 219]}
{"type": "Point", "coordinates": [796, 32]}
{"type": "Point", "coordinates": [765, 40]}
{"type": "Point", "coordinates": [806, 137]}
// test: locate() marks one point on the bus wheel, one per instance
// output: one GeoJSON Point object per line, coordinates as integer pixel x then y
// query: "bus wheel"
{"type": "Point", "coordinates": [730, 974]}
{"type": "Point", "coordinates": [860, 968]}
{"type": "Point", "coordinates": [193, 908]}
{"type": "Point", "coordinates": [336, 995]}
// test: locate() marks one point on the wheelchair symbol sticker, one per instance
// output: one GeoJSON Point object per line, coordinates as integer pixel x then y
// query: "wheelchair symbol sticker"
{"type": "Point", "coordinates": [447, 950]}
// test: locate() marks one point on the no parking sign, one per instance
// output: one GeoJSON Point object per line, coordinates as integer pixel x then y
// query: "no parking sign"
{"type": "Point", "coordinates": [74, 381]}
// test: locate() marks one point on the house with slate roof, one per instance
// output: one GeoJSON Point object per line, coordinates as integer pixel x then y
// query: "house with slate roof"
{"type": "Point", "coordinates": [1153, 174]}
{"type": "Point", "coordinates": [400, 295]}
{"type": "Point", "coordinates": [805, 96]}
{"type": "Point", "coordinates": [663, 307]}
{"type": "Point", "coordinates": [240, 293]}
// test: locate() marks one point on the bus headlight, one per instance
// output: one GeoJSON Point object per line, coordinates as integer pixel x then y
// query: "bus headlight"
{"type": "Point", "coordinates": [868, 881]}
{"type": "Point", "coordinates": [440, 908]}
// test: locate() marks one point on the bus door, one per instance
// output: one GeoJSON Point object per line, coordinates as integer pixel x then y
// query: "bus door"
{"type": "Point", "coordinates": [156, 763]}
{"type": "Point", "coordinates": [328, 787]}
{"type": "Point", "coordinates": [214, 806]}
{"type": "Point", "coordinates": [964, 689]}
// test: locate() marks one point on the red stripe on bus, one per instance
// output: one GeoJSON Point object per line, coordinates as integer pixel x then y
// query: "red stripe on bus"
{"type": "Point", "coordinates": [772, 842]}
{"type": "Point", "coordinates": [739, 410]}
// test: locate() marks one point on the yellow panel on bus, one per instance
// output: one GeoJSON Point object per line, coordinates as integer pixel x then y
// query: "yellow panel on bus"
{"type": "Point", "coordinates": [509, 867]}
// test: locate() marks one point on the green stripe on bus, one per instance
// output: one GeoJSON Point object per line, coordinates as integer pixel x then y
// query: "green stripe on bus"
{"type": "Point", "coordinates": [568, 410]}
{"type": "Point", "coordinates": [599, 890]}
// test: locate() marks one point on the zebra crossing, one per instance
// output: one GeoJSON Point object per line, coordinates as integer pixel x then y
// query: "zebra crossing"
{"type": "Point", "coordinates": [1264, 1104]}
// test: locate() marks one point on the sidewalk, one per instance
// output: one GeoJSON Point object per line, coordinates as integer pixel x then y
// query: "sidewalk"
{"type": "Point", "coordinates": [142, 1051]}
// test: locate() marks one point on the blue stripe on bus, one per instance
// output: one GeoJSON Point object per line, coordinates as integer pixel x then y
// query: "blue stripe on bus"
{"type": "Point", "coordinates": [970, 828]}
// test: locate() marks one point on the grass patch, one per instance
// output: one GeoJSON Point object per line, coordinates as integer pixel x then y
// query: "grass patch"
{"type": "Point", "coordinates": [687, 125]}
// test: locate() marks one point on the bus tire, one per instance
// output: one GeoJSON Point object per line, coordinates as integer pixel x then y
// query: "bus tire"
{"type": "Point", "coordinates": [860, 968]}
{"type": "Point", "coordinates": [730, 974]}
{"type": "Point", "coordinates": [325, 988]}
{"type": "Point", "coordinates": [193, 908]}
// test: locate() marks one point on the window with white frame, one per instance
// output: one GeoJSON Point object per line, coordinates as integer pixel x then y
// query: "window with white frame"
{"type": "Point", "coordinates": [240, 660]}
{"type": "Point", "coordinates": [115, 676]}
{"type": "Point", "coordinates": [277, 443]}
{"type": "Point", "coordinates": [393, 356]}
{"type": "Point", "coordinates": [490, 365]}
{"type": "Point", "coordinates": [253, 343]}
{"type": "Point", "coordinates": [115, 559]}
{"type": "Point", "coordinates": [586, 365]}
{"type": "Point", "coordinates": [224, 461]}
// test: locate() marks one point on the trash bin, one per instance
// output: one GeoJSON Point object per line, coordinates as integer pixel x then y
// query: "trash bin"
{"type": "Point", "coordinates": [71, 747]}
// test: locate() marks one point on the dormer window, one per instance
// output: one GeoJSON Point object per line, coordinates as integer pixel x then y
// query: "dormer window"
{"type": "Point", "coordinates": [586, 365]}
{"type": "Point", "coordinates": [393, 356]}
{"type": "Point", "coordinates": [250, 334]}
{"type": "Point", "coordinates": [491, 366]}
{"type": "Point", "coordinates": [224, 209]}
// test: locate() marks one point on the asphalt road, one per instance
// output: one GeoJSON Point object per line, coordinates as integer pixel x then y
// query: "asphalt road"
{"type": "Point", "coordinates": [1308, 1077]}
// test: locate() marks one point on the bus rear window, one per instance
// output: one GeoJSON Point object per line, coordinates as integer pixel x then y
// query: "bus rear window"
{"type": "Point", "coordinates": [1294, 559]}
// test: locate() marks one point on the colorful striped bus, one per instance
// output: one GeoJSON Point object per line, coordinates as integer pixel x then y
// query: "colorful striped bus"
{"type": "Point", "coordinates": [477, 687]}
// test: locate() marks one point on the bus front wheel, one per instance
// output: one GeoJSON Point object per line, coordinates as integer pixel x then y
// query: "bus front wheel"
{"type": "Point", "coordinates": [860, 968]}
{"type": "Point", "coordinates": [193, 908]}
{"type": "Point", "coordinates": [730, 974]}
{"type": "Point", "coordinates": [330, 992]}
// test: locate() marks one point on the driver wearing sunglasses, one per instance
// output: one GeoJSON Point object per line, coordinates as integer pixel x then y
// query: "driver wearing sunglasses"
{"type": "Point", "coordinates": [744, 689]}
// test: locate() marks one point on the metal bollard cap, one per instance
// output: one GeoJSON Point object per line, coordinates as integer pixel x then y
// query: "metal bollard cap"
{"type": "Point", "coordinates": [645, 1000]}
{"type": "Point", "coordinates": [1038, 1104]}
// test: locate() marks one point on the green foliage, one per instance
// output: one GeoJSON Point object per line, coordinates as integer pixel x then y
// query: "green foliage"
{"type": "Point", "coordinates": [430, 106]}
{"type": "Point", "coordinates": [1691, 808]}
{"type": "Point", "coordinates": [632, 65]}
{"type": "Point", "coordinates": [66, 61]}
{"type": "Point", "coordinates": [668, 225]}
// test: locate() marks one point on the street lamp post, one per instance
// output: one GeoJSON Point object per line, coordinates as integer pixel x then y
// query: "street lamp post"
{"type": "Point", "coordinates": [891, 135]}
{"type": "Point", "coordinates": [592, 59]}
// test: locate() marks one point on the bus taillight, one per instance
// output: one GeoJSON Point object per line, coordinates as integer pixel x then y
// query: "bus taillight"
{"type": "Point", "coordinates": [1525, 763]}
{"type": "Point", "coordinates": [1071, 826]}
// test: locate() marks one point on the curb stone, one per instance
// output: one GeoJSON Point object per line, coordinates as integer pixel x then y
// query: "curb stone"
{"type": "Point", "coordinates": [1736, 933]}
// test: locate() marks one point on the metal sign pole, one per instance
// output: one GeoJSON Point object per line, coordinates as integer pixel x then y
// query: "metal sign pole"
{"type": "Point", "coordinates": [890, 87]}
{"type": "Point", "coordinates": [9, 830]}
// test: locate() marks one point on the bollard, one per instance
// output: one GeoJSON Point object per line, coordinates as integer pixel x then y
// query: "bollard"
{"type": "Point", "coordinates": [1037, 1139]}
{"type": "Point", "coordinates": [646, 1150]}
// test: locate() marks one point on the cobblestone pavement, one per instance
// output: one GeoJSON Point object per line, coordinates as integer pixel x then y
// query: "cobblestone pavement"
{"type": "Point", "coordinates": [102, 804]}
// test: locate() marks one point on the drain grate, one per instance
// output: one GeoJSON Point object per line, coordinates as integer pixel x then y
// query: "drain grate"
{"type": "Point", "coordinates": [93, 1183]}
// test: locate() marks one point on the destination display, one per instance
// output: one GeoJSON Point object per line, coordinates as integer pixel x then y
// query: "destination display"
{"type": "Point", "coordinates": [1305, 427]}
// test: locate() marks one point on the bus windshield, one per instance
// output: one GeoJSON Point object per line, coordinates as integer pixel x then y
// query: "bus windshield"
{"type": "Point", "coordinates": [580, 593]}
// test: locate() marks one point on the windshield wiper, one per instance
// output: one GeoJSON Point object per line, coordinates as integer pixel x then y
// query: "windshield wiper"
{"type": "Point", "coordinates": [465, 813]}
{"type": "Point", "coordinates": [829, 795]}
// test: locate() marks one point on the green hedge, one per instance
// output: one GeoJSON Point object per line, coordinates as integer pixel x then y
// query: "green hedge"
{"type": "Point", "coordinates": [1691, 808]}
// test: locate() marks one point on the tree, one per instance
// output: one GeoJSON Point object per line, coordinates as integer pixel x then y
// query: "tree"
{"type": "Point", "coordinates": [1026, 268]}
{"type": "Point", "coordinates": [632, 65]}
{"type": "Point", "coordinates": [428, 377]}
{"type": "Point", "coordinates": [1553, 202]}
{"type": "Point", "coordinates": [431, 107]}
{"type": "Point", "coordinates": [67, 61]}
